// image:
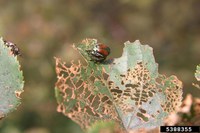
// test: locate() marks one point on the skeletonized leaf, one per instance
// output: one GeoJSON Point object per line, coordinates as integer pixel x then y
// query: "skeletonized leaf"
{"type": "Point", "coordinates": [142, 97]}
{"type": "Point", "coordinates": [11, 81]}
{"type": "Point", "coordinates": [82, 91]}
{"type": "Point", "coordinates": [128, 90]}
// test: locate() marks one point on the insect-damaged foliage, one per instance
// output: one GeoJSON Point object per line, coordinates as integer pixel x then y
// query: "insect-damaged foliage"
{"type": "Point", "coordinates": [128, 90]}
{"type": "Point", "coordinates": [11, 80]}
{"type": "Point", "coordinates": [197, 76]}
{"type": "Point", "coordinates": [197, 73]}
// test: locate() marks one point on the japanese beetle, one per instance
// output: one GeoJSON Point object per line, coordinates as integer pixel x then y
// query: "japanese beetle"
{"type": "Point", "coordinates": [99, 52]}
{"type": "Point", "coordinates": [14, 49]}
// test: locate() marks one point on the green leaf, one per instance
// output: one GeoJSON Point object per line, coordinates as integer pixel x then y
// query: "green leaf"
{"type": "Point", "coordinates": [140, 100]}
{"type": "Point", "coordinates": [104, 127]}
{"type": "Point", "coordinates": [197, 76]}
{"type": "Point", "coordinates": [11, 81]}
{"type": "Point", "coordinates": [128, 90]}
{"type": "Point", "coordinates": [197, 73]}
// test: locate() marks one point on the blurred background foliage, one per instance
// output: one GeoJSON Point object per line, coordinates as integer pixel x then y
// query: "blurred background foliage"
{"type": "Point", "coordinates": [43, 29]}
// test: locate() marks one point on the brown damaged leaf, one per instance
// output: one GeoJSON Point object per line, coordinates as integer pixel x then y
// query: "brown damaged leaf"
{"type": "Point", "coordinates": [173, 94]}
{"type": "Point", "coordinates": [187, 115]}
{"type": "Point", "coordinates": [18, 93]}
{"type": "Point", "coordinates": [138, 87]}
{"type": "Point", "coordinates": [143, 97]}
{"type": "Point", "coordinates": [128, 90]}
{"type": "Point", "coordinates": [81, 100]}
